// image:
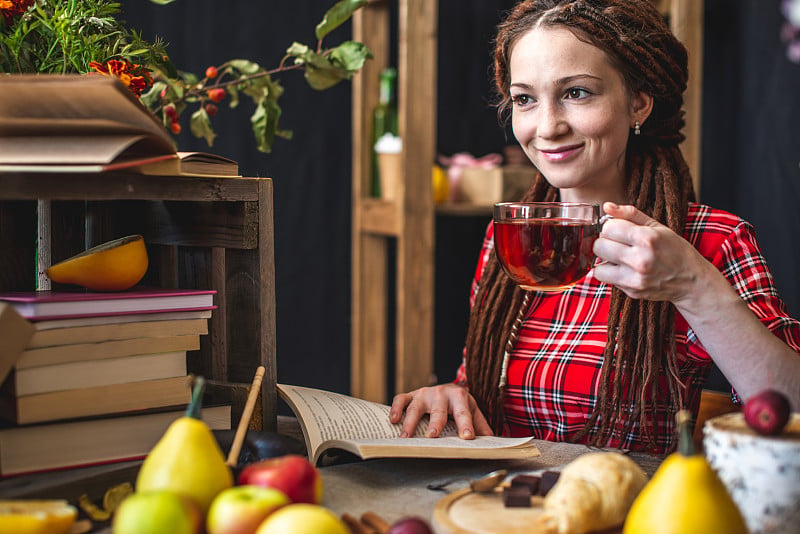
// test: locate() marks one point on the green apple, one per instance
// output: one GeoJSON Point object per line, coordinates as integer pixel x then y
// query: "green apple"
{"type": "Point", "coordinates": [240, 509]}
{"type": "Point", "coordinates": [303, 518]}
{"type": "Point", "coordinates": [157, 512]}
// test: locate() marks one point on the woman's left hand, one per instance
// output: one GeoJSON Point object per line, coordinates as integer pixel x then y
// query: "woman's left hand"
{"type": "Point", "coordinates": [644, 258]}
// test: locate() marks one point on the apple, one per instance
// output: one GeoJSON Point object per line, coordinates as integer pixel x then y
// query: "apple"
{"type": "Point", "coordinates": [292, 474]}
{"type": "Point", "coordinates": [240, 509]}
{"type": "Point", "coordinates": [157, 512]}
{"type": "Point", "coordinates": [303, 518]}
{"type": "Point", "coordinates": [410, 525]}
{"type": "Point", "coordinates": [767, 412]}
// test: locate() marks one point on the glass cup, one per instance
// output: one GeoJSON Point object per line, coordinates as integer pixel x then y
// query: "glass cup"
{"type": "Point", "coordinates": [546, 246]}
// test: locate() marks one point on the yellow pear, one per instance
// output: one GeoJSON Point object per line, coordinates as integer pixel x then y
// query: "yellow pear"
{"type": "Point", "coordinates": [187, 459]}
{"type": "Point", "coordinates": [685, 496]}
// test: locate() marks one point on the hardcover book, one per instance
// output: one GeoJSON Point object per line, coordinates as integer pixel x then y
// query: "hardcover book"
{"type": "Point", "coordinates": [50, 446]}
{"type": "Point", "coordinates": [335, 421]}
{"type": "Point", "coordinates": [47, 305]}
{"type": "Point", "coordinates": [93, 401]}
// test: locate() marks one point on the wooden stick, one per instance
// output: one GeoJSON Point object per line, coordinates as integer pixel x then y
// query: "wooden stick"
{"type": "Point", "coordinates": [375, 521]}
{"type": "Point", "coordinates": [247, 413]}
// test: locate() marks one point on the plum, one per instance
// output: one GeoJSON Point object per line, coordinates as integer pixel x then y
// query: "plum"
{"type": "Point", "coordinates": [767, 412]}
{"type": "Point", "coordinates": [410, 525]}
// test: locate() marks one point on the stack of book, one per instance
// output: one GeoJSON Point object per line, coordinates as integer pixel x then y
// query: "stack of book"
{"type": "Point", "coordinates": [101, 377]}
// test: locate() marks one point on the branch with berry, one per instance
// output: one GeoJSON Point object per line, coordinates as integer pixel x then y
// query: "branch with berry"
{"type": "Point", "coordinates": [173, 93]}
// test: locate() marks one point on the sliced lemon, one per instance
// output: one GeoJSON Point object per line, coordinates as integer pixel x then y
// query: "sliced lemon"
{"type": "Point", "coordinates": [113, 266]}
{"type": "Point", "coordinates": [37, 517]}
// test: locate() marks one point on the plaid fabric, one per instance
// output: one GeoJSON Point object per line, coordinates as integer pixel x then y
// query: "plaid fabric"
{"type": "Point", "coordinates": [554, 370]}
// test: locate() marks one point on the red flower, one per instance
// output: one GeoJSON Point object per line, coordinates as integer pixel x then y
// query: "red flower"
{"type": "Point", "coordinates": [134, 76]}
{"type": "Point", "coordinates": [14, 8]}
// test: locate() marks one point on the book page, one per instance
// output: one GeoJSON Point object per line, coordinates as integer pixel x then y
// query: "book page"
{"type": "Point", "coordinates": [326, 415]}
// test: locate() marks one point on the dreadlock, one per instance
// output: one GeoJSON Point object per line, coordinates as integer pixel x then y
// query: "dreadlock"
{"type": "Point", "coordinates": [640, 341]}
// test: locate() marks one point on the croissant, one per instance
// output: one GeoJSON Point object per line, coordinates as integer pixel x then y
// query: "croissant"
{"type": "Point", "coordinates": [594, 492]}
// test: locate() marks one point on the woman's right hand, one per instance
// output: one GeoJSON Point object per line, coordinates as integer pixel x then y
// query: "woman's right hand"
{"type": "Point", "coordinates": [440, 402]}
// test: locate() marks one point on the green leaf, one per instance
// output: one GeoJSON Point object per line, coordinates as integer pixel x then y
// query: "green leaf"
{"type": "Point", "coordinates": [320, 73]}
{"type": "Point", "coordinates": [338, 15]}
{"type": "Point", "coordinates": [351, 56]}
{"type": "Point", "coordinates": [245, 66]}
{"type": "Point", "coordinates": [162, 2]}
{"type": "Point", "coordinates": [200, 126]}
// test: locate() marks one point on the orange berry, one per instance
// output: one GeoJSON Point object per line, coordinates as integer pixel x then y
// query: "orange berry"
{"type": "Point", "coordinates": [211, 73]}
{"type": "Point", "coordinates": [211, 109]}
{"type": "Point", "coordinates": [216, 95]}
{"type": "Point", "coordinates": [175, 127]}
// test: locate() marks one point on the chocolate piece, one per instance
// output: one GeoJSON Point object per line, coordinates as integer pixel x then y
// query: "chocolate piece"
{"type": "Point", "coordinates": [529, 481]}
{"type": "Point", "coordinates": [549, 479]}
{"type": "Point", "coordinates": [516, 496]}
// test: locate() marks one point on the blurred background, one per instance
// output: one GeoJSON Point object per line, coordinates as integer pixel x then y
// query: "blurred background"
{"type": "Point", "coordinates": [750, 154]}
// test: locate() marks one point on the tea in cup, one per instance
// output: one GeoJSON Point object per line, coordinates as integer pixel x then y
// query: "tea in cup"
{"type": "Point", "coordinates": [546, 246]}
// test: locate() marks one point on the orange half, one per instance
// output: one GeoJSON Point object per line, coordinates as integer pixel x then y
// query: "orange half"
{"type": "Point", "coordinates": [37, 517]}
{"type": "Point", "coordinates": [113, 266]}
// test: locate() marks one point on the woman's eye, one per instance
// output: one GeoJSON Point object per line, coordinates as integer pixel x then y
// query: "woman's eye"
{"type": "Point", "coordinates": [520, 100]}
{"type": "Point", "coordinates": [577, 92]}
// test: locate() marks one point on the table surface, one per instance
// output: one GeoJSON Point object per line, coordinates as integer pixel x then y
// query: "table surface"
{"type": "Point", "coordinates": [392, 488]}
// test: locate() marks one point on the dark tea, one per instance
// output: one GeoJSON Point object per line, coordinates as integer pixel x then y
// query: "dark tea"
{"type": "Point", "coordinates": [545, 253]}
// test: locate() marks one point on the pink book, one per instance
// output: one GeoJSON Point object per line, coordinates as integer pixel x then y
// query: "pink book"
{"type": "Point", "coordinates": [46, 305]}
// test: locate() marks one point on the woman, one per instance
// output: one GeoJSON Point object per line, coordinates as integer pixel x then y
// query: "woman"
{"type": "Point", "coordinates": [594, 89]}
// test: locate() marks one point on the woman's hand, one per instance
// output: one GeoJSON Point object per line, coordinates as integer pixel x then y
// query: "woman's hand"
{"type": "Point", "coordinates": [440, 402]}
{"type": "Point", "coordinates": [645, 259]}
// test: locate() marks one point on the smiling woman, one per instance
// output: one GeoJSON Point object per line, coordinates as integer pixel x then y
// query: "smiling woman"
{"type": "Point", "coordinates": [595, 93]}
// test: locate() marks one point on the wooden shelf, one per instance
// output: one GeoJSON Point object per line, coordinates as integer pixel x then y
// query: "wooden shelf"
{"type": "Point", "coordinates": [214, 233]}
{"type": "Point", "coordinates": [410, 218]}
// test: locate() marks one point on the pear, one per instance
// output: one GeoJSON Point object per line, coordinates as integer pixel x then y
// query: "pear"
{"type": "Point", "coordinates": [187, 459]}
{"type": "Point", "coordinates": [685, 496]}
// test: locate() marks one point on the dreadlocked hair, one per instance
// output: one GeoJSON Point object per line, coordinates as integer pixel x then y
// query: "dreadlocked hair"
{"type": "Point", "coordinates": [640, 345]}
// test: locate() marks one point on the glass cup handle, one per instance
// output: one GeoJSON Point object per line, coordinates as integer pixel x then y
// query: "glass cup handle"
{"type": "Point", "coordinates": [604, 219]}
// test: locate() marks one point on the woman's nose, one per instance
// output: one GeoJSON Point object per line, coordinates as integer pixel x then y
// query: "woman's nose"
{"type": "Point", "coordinates": [550, 122]}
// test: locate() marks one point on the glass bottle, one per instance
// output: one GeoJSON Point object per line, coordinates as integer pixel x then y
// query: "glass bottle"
{"type": "Point", "coordinates": [384, 120]}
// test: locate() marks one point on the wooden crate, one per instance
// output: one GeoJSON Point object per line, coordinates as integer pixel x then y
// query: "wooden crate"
{"type": "Point", "coordinates": [207, 233]}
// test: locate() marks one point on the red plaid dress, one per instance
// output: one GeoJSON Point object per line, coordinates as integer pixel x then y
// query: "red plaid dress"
{"type": "Point", "coordinates": [554, 370]}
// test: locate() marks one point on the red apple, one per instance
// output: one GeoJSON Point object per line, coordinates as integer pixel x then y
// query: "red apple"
{"type": "Point", "coordinates": [767, 412]}
{"type": "Point", "coordinates": [410, 525]}
{"type": "Point", "coordinates": [240, 509]}
{"type": "Point", "coordinates": [292, 474]}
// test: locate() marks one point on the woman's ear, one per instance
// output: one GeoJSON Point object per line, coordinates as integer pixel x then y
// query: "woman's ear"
{"type": "Point", "coordinates": [641, 107]}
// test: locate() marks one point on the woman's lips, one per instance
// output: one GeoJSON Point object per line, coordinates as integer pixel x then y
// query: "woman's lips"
{"type": "Point", "coordinates": [560, 153]}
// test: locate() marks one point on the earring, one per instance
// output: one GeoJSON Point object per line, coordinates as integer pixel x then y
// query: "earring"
{"type": "Point", "coordinates": [636, 129]}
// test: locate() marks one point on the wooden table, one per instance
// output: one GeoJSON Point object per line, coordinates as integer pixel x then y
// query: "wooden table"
{"type": "Point", "coordinates": [391, 488]}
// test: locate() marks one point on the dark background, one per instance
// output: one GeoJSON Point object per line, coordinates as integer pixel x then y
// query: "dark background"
{"type": "Point", "coordinates": [751, 150]}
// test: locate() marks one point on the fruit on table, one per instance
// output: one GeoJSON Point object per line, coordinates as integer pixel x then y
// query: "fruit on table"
{"type": "Point", "coordinates": [113, 266]}
{"type": "Point", "coordinates": [410, 525]}
{"type": "Point", "coordinates": [157, 512]}
{"type": "Point", "coordinates": [767, 412]}
{"type": "Point", "coordinates": [36, 516]}
{"type": "Point", "coordinates": [292, 474]}
{"type": "Point", "coordinates": [303, 518]}
{"type": "Point", "coordinates": [685, 496]}
{"type": "Point", "coordinates": [187, 459]}
{"type": "Point", "coordinates": [240, 509]}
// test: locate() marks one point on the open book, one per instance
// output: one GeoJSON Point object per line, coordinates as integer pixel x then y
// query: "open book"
{"type": "Point", "coordinates": [86, 124]}
{"type": "Point", "coordinates": [335, 421]}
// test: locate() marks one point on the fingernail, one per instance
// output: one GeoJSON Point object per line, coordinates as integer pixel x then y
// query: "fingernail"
{"type": "Point", "coordinates": [392, 415]}
{"type": "Point", "coordinates": [613, 204]}
{"type": "Point", "coordinates": [430, 434]}
{"type": "Point", "coordinates": [403, 434]}
{"type": "Point", "coordinates": [466, 434]}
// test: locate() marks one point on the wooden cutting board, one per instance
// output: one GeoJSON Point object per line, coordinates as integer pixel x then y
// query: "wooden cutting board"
{"type": "Point", "coordinates": [468, 512]}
